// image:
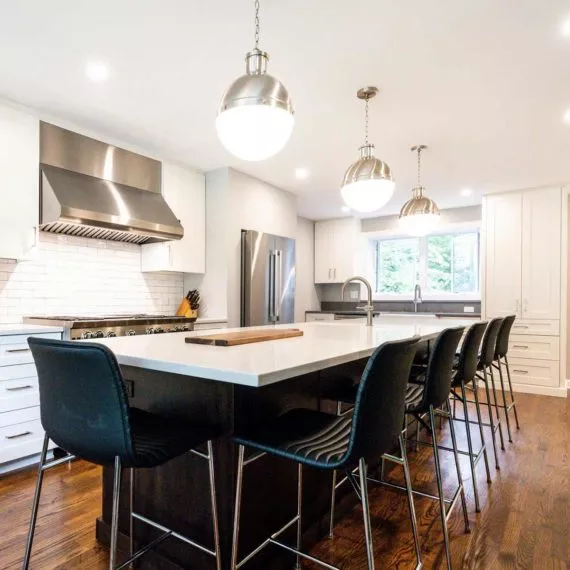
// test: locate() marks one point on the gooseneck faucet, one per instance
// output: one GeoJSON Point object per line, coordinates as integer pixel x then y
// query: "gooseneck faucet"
{"type": "Point", "coordinates": [369, 308]}
{"type": "Point", "coordinates": [417, 297]}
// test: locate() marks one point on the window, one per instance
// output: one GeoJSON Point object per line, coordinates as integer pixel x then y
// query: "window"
{"type": "Point", "coordinates": [445, 265]}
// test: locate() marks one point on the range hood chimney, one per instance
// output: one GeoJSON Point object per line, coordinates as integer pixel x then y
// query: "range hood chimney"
{"type": "Point", "coordinates": [91, 189]}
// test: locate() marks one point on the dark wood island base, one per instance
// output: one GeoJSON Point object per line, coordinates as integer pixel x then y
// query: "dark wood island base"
{"type": "Point", "coordinates": [176, 494]}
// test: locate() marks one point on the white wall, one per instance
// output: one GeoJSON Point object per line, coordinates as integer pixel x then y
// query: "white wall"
{"type": "Point", "coordinates": [71, 275]}
{"type": "Point", "coordinates": [236, 201]}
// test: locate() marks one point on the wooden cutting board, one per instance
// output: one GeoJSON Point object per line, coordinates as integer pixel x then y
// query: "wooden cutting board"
{"type": "Point", "coordinates": [243, 337]}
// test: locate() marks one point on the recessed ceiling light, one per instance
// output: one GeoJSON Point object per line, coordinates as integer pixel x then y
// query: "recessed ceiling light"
{"type": "Point", "coordinates": [345, 209]}
{"type": "Point", "coordinates": [302, 173]}
{"type": "Point", "coordinates": [565, 29]}
{"type": "Point", "coordinates": [466, 192]}
{"type": "Point", "coordinates": [566, 117]}
{"type": "Point", "coordinates": [97, 71]}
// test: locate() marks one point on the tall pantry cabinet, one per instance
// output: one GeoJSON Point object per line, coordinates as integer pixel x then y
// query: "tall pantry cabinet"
{"type": "Point", "coordinates": [523, 235]}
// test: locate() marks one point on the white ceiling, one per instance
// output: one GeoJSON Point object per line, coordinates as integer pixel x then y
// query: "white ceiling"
{"type": "Point", "coordinates": [485, 84]}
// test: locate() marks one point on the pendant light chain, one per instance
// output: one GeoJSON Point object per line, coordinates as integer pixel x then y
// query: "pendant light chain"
{"type": "Point", "coordinates": [419, 165]}
{"type": "Point", "coordinates": [256, 24]}
{"type": "Point", "coordinates": [366, 122]}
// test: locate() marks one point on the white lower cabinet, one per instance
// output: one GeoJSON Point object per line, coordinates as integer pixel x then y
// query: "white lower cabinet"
{"type": "Point", "coordinates": [536, 347]}
{"type": "Point", "coordinates": [21, 432]}
{"type": "Point", "coordinates": [535, 372]}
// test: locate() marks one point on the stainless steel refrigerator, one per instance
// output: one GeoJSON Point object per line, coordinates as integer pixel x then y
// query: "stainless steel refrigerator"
{"type": "Point", "coordinates": [267, 279]}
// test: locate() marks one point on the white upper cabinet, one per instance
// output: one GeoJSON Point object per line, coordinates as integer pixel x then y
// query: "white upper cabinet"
{"type": "Point", "coordinates": [523, 254]}
{"type": "Point", "coordinates": [19, 182]}
{"type": "Point", "coordinates": [503, 257]}
{"type": "Point", "coordinates": [541, 265]}
{"type": "Point", "coordinates": [336, 249]}
{"type": "Point", "coordinates": [185, 193]}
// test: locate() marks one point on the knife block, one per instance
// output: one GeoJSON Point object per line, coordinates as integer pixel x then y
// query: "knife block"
{"type": "Point", "coordinates": [185, 310]}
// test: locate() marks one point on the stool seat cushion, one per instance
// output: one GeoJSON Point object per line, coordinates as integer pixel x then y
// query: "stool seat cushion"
{"type": "Point", "coordinates": [306, 436]}
{"type": "Point", "coordinates": [414, 395]}
{"type": "Point", "coordinates": [158, 439]}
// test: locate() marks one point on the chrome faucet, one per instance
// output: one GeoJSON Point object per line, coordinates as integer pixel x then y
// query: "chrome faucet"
{"type": "Point", "coordinates": [417, 297]}
{"type": "Point", "coordinates": [369, 308]}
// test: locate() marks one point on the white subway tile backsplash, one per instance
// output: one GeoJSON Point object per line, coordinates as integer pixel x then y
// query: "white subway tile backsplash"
{"type": "Point", "coordinates": [76, 275]}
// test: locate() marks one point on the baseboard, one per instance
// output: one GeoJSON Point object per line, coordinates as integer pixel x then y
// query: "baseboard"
{"type": "Point", "coordinates": [559, 392]}
{"type": "Point", "coordinates": [24, 463]}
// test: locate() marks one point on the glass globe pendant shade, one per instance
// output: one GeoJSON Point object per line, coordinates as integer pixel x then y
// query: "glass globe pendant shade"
{"type": "Point", "coordinates": [368, 184]}
{"type": "Point", "coordinates": [255, 117]}
{"type": "Point", "coordinates": [420, 215]}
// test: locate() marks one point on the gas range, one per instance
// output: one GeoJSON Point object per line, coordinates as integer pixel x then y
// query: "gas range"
{"type": "Point", "coordinates": [104, 326]}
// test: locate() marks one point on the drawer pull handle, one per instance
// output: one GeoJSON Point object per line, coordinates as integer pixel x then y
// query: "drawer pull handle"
{"type": "Point", "coordinates": [520, 345]}
{"type": "Point", "coordinates": [17, 388]}
{"type": "Point", "coordinates": [12, 350]}
{"type": "Point", "coordinates": [520, 371]}
{"type": "Point", "coordinates": [16, 436]}
{"type": "Point", "coordinates": [520, 326]}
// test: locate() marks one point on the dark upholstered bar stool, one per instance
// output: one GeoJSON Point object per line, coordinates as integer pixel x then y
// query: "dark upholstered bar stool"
{"type": "Point", "coordinates": [500, 361]}
{"type": "Point", "coordinates": [484, 373]}
{"type": "Point", "coordinates": [463, 377]}
{"type": "Point", "coordinates": [324, 441]}
{"type": "Point", "coordinates": [426, 398]}
{"type": "Point", "coordinates": [85, 410]}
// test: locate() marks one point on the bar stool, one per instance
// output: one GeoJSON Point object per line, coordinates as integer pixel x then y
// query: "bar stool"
{"type": "Point", "coordinates": [328, 442]}
{"type": "Point", "coordinates": [464, 375]}
{"type": "Point", "coordinates": [85, 410]}
{"type": "Point", "coordinates": [425, 398]}
{"type": "Point", "coordinates": [484, 372]}
{"type": "Point", "coordinates": [500, 361]}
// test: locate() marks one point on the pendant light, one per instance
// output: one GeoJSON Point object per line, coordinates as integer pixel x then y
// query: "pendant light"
{"type": "Point", "coordinates": [255, 117]}
{"type": "Point", "coordinates": [420, 214]}
{"type": "Point", "coordinates": [368, 183]}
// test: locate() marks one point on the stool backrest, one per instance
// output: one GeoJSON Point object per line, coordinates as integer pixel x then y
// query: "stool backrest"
{"type": "Point", "coordinates": [489, 343]}
{"type": "Point", "coordinates": [503, 337]}
{"type": "Point", "coordinates": [469, 355]}
{"type": "Point", "coordinates": [83, 403]}
{"type": "Point", "coordinates": [440, 368]}
{"type": "Point", "coordinates": [379, 408]}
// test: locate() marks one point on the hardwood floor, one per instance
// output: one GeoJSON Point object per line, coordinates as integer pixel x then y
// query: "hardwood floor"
{"type": "Point", "coordinates": [524, 523]}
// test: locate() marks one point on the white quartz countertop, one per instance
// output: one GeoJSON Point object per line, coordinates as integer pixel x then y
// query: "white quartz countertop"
{"type": "Point", "coordinates": [20, 328]}
{"type": "Point", "coordinates": [323, 345]}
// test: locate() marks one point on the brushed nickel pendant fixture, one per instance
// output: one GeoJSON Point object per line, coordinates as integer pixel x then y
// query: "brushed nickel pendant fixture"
{"type": "Point", "coordinates": [255, 117]}
{"type": "Point", "coordinates": [368, 184]}
{"type": "Point", "coordinates": [420, 214]}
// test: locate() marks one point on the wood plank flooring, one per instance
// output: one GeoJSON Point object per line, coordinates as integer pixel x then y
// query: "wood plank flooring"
{"type": "Point", "coordinates": [524, 523]}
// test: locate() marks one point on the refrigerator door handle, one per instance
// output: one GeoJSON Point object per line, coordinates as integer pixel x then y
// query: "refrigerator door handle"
{"type": "Point", "coordinates": [271, 304]}
{"type": "Point", "coordinates": [278, 284]}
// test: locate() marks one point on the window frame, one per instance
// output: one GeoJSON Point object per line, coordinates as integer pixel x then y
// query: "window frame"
{"type": "Point", "coordinates": [456, 228]}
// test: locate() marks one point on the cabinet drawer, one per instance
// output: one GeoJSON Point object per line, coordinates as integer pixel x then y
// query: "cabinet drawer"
{"type": "Point", "coordinates": [17, 371]}
{"type": "Point", "coordinates": [20, 393]}
{"type": "Point", "coordinates": [21, 440]}
{"type": "Point", "coordinates": [312, 317]}
{"type": "Point", "coordinates": [539, 347]}
{"type": "Point", "coordinates": [548, 328]}
{"type": "Point", "coordinates": [23, 338]}
{"type": "Point", "coordinates": [15, 354]}
{"type": "Point", "coordinates": [19, 416]}
{"type": "Point", "coordinates": [538, 372]}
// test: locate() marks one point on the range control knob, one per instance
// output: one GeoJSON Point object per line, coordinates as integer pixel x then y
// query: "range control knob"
{"type": "Point", "coordinates": [158, 330]}
{"type": "Point", "coordinates": [111, 334]}
{"type": "Point", "coordinates": [173, 329]}
{"type": "Point", "coordinates": [131, 332]}
{"type": "Point", "coordinates": [152, 330]}
{"type": "Point", "coordinates": [87, 334]}
{"type": "Point", "coordinates": [99, 334]}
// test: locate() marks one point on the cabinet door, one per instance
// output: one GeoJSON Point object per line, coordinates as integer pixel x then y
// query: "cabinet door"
{"type": "Point", "coordinates": [503, 264]}
{"type": "Point", "coordinates": [19, 182]}
{"type": "Point", "coordinates": [541, 254]}
{"type": "Point", "coordinates": [185, 193]}
{"type": "Point", "coordinates": [345, 244]}
{"type": "Point", "coordinates": [324, 246]}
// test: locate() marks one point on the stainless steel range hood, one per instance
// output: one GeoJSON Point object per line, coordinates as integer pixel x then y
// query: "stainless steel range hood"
{"type": "Point", "coordinates": [92, 189]}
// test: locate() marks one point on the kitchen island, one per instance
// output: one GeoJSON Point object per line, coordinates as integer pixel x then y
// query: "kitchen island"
{"type": "Point", "coordinates": [228, 387]}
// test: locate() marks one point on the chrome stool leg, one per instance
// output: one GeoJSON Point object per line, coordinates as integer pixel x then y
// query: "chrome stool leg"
{"type": "Point", "coordinates": [299, 513]}
{"type": "Point", "coordinates": [442, 506]}
{"type": "Point", "coordinates": [115, 514]}
{"type": "Point", "coordinates": [496, 405]}
{"type": "Point", "coordinates": [505, 407]}
{"type": "Point", "coordinates": [362, 468]}
{"type": "Point", "coordinates": [470, 448]}
{"type": "Point", "coordinates": [239, 488]}
{"type": "Point", "coordinates": [35, 504]}
{"type": "Point", "coordinates": [131, 518]}
{"type": "Point", "coordinates": [513, 403]}
{"type": "Point", "coordinates": [333, 499]}
{"type": "Point", "coordinates": [481, 432]}
{"type": "Point", "coordinates": [491, 421]}
{"type": "Point", "coordinates": [213, 502]}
